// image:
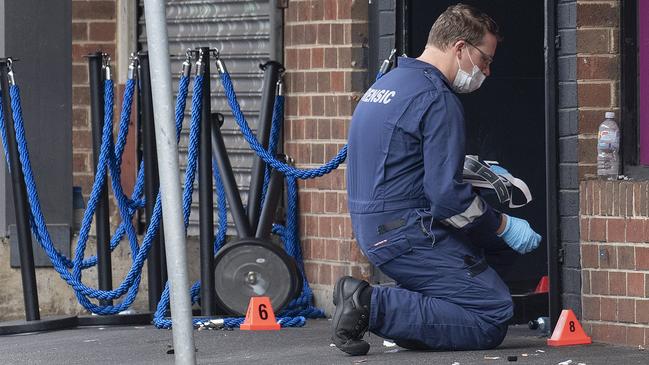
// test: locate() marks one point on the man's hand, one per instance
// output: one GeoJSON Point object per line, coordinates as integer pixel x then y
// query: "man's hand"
{"type": "Point", "coordinates": [519, 235]}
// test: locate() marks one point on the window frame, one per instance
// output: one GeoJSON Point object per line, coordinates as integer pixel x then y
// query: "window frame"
{"type": "Point", "coordinates": [629, 89]}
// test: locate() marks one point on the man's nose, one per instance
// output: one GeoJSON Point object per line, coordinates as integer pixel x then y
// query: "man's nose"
{"type": "Point", "coordinates": [487, 71]}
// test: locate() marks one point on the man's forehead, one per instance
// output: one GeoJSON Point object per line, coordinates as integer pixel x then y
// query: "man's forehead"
{"type": "Point", "coordinates": [489, 43]}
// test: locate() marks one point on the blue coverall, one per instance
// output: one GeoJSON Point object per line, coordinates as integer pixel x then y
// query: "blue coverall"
{"type": "Point", "coordinates": [416, 220]}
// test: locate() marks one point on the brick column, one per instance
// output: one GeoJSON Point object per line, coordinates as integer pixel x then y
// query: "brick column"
{"type": "Point", "coordinates": [598, 74]}
{"type": "Point", "coordinates": [614, 226]}
{"type": "Point", "coordinates": [568, 162]}
{"type": "Point", "coordinates": [93, 29]}
{"type": "Point", "coordinates": [325, 44]}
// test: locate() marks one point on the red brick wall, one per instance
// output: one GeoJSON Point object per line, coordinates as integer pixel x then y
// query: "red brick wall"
{"type": "Point", "coordinates": [614, 216]}
{"type": "Point", "coordinates": [324, 53]}
{"type": "Point", "coordinates": [615, 260]}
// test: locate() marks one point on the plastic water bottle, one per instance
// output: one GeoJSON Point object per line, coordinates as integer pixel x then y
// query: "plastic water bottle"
{"type": "Point", "coordinates": [608, 147]}
{"type": "Point", "coordinates": [542, 324]}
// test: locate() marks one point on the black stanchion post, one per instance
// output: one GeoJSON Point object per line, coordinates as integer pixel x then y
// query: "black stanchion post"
{"type": "Point", "coordinates": [102, 226]}
{"type": "Point", "coordinates": [206, 219]}
{"type": "Point", "coordinates": [95, 68]}
{"type": "Point", "coordinates": [21, 206]}
{"type": "Point", "coordinates": [151, 182]}
{"type": "Point", "coordinates": [272, 70]}
{"type": "Point", "coordinates": [33, 322]}
{"type": "Point", "coordinates": [269, 208]}
{"type": "Point", "coordinates": [227, 176]}
{"type": "Point", "coordinates": [98, 72]}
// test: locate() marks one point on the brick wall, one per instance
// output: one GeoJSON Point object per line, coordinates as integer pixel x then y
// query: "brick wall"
{"type": "Point", "coordinates": [615, 260]}
{"type": "Point", "coordinates": [326, 75]}
{"type": "Point", "coordinates": [613, 215]}
{"type": "Point", "coordinates": [598, 73]}
{"type": "Point", "coordinates": [94, 29]}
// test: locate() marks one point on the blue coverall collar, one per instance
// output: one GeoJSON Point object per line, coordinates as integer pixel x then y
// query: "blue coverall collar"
{"type": "Point", "coordinates": [408, 62]}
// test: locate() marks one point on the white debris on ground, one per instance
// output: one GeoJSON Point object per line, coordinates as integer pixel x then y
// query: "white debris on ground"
{"type": "Point", "coordinates": [388, 343]}
{"type": "Point", "coordinates": [212, 324]}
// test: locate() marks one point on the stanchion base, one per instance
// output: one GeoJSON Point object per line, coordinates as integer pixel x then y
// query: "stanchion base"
{"type": "Point", "coordinates": [46, 324]}
{"type": "Point", "coordinates": [116, 319]}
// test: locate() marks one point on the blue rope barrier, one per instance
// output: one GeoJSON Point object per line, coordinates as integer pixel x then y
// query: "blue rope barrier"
{"type": "Point", "coordinates": [299, 309]}
{"type": "Point", "coordinates": [110, 159]}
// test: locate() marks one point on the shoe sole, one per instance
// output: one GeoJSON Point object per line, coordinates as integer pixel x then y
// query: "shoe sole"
{"type": "Point", "coordinates": [335, 293]}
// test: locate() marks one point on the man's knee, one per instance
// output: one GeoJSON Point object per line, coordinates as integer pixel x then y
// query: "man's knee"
{"type": "Point", "coordinates": [488, 337]}
{"type": "Point", "coordinates": [493, 337]}
{"type": "Point", "coordinates": [505, 311]}
{"type": "Point", "coordinates": [494, 324]}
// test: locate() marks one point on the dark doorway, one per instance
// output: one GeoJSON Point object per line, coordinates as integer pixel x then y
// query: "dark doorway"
{"type": "Point", "coordinates": [506, 116]}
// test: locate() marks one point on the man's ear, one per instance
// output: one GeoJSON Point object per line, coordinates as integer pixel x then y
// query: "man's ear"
{"type": "Point", "coordinates": [458, 46]}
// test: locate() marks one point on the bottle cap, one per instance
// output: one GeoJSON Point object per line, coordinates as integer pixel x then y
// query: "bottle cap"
{"type": "Point", "coordinates": [609, 115]}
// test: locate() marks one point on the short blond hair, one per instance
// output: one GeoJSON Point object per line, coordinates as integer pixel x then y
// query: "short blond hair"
{"type": "Point", "coordinates": [461, 22]}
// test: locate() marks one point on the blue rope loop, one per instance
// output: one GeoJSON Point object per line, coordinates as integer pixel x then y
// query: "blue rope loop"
{"type": "Point", "coordinates": [264, 154]}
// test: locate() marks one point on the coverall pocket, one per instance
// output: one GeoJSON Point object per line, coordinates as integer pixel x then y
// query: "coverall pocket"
{"type": "Point", "coordinates": [385, 250]}
{"type": "Point", "coordinates": [474, 267]}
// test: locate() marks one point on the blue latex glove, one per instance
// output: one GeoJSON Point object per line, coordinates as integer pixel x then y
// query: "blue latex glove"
{"type": "Point", "coordinates": [497, 169]}
{"type": "Point", "coordinates": [519, 235]}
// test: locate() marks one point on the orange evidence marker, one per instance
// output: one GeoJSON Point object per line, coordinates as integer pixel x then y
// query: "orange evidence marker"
{"type": "Point", "coordinates": [260, 316]}
{"type": "Point", "coordinates": [543, 286]}
{"type": "Point", "coordinates": [568, 331]}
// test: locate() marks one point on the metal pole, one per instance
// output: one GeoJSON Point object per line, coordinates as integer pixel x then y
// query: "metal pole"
{"type": "Point", "coordinates": [402, 27]}
{"type": "Point", "coordinates": [206, 191]}
{"type": "Point", "coordinates": [227, 176]}
{"type": "Point", "coordinates": [102, 225]}
{"type": "Point", "coordinates": [551, 165]}
{"type": "Point", "coordinates": [271, 75]}
{"type": "Point", "coordinates": [167, 148]}
{"type": "Point", "coordinates": [276, 17]}
{"type": "Point", "coordinates": [21, 206]}
{"type": "Point", "coordinates": [150, 179]}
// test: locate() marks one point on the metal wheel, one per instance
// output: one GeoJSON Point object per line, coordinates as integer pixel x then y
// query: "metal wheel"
{"type": "Point", "coordinates": [251, 267]}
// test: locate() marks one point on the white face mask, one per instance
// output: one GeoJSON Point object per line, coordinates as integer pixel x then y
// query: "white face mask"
{"type": "Point", "coordinates": [465, 83]}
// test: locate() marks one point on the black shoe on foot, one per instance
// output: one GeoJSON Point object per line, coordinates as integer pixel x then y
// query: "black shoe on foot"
{"type": "Point", "coordinates": [351, 318]}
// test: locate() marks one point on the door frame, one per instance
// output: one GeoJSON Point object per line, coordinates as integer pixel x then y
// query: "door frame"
{"type": "Point", "coordinates": [551, 44]}
{"type": "Point", "coordinates": [395, 32]}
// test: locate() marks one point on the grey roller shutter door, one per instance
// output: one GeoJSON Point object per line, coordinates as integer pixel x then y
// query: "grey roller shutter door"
{"type": "Point", "coordinates": [240, 30]}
